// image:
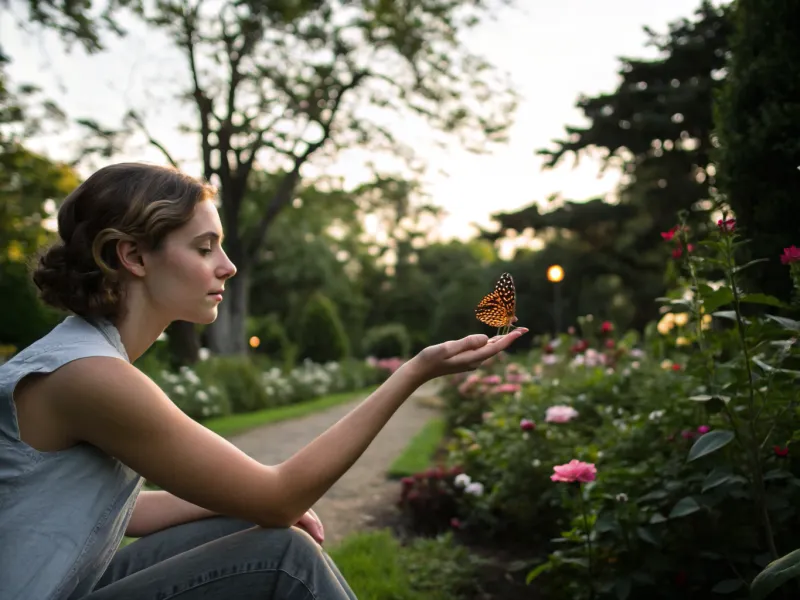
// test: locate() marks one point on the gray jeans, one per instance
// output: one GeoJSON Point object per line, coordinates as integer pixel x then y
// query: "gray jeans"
{"type": "Point", "coordinates": [218, 558]}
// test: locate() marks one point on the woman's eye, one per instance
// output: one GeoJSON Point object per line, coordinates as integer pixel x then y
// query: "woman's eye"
{"type": "Point", "coordinates": [205, 251]}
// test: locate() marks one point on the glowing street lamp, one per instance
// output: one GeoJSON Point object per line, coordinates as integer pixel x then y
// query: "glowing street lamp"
{"type": "Point", "coordinates": [554, 275]}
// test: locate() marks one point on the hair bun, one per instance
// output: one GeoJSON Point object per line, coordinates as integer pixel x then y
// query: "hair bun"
{"type": "Point", "coordinates": [66, 284]}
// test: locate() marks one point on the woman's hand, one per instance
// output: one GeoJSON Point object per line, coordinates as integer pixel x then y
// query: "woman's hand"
{"type": "Point", "coordinates": [310, 522]}
{"type": "Point", "coordinates": [457, 356]}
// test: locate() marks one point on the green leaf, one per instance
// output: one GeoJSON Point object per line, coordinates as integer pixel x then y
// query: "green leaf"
{"type": "Point", "coordinates": [647, 535]}
{"type": "Point", "coordinates": [763, 299]}
{"type": "Point", "coordinates": [717, 298]}
{"type": "Point", "coordinates": [775, 575]}
{"type": "Point", "coordinates": [710, 442]}
{"type": "Point", "coordinates": [725, 314]}
{"type": "Point", "coordinates": [685, 506]}
{"type": "Point", "coordinates": [657, 518]}
{"type": "Point", "coordinates": [623, 588]}
{"type": "Point", "coordinates": [727, 586]}
{"type": "Point", "coordinates": [717, 476]}
{"type": "Point", "coordinates": [738, 268]}
{"type": "Point", "coordinates": [654, 495]}
{"type": "Point", "coordinates": [789, 324]}
{"type": "Point", "coordinates": [538, 571]}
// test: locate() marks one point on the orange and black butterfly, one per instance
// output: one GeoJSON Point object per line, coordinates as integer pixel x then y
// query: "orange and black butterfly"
{"type": "Point", "coordinates": [498, 308]}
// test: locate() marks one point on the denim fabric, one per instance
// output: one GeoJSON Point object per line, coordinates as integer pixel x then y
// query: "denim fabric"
{"type": "Point", "coordinates": [62, 514]}
{"type": "Point", "coordinates": [220, 558]}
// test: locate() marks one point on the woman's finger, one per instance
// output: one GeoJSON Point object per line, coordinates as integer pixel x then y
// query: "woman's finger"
{"type": "Point", "coordinates": [489, 350]}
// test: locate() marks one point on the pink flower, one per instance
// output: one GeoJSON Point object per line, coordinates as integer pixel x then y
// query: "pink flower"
{"type": "Point", "coordinates": [573, 471]}
{"type": "Point", "coordinates": [455, 523]}
{"type": "Point", "coordinates": [668, 235]}
{"type": "Point", "coordinates": [506, 388]}
{"type": "Point", "coordinates": [781, 452]}
{"type": "Point", "coordinates": [560, 414]}
{"type": "Point", "coordinates": [527, 425]}
{"type": "Point", "coordinates": [790, 255]}
{"type": "Point", "coordinates": [606, 327]}
{"type": "Point", "coordinates": [727, 225]}
{"type": "Point", "coordinates": [492, 379]}
{"type": "Point", "coordinates": [703, 429]}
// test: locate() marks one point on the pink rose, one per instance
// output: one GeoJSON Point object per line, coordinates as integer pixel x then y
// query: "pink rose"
{"type": "Point", "coordinates": [492, 379]}
{"type": "Point", "coordinates": [527, 425]}
{"type": "Point", "coordinates": [506, 388]}
{"type": "Point", "coordinates": [790, 255]}
{"type": "Point", "coordinates": [573, 471]}
{"type": "Point", "coordinates": [703, 429]}
{"type": "Point", "coordinates": [560, 414]}
{"type": "Point", "coordinates": [727, 226]}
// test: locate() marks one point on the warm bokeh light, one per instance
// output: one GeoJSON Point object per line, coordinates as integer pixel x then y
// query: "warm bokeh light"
{"type": "Point", "coordinates": [555, 273]}
{"type": "Point", "coordinates": [255, 342]}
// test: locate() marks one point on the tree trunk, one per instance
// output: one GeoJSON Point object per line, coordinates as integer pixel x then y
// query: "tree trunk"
{"type": "Point", "coordinates": [183, 343]}
{"type": "Point", "coordinates": [228, 334]}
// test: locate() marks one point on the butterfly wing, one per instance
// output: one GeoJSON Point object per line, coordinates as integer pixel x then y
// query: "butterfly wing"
{"type": "Point", "coordinates": [498, 308]}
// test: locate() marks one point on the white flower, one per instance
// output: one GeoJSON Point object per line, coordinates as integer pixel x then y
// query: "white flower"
{"type": "Point", "coordinates": [655, 415]}
{"type": "Point", "coordinates": [622, 497]}
{"type": "Point", "coordinates": [462, 480]}
{"type": "Point", "coordinates": [179, 389]}
{"type": "Point", "coordinates": [204, 354]}
{"type": "Point", "coordinates": [536, 463]}
{"type": "Point", "coordinates": [201, 396]}
{"type": "Point", "coordinates": [475, 488]}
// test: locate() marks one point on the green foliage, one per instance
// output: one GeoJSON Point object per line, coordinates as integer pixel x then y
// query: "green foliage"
{"type": "Point", "coordinates": [239, 379]}
{"type": "Point", "coordinates": [692, 434]}
{"type": "Point", "coordinates": [377, 567]}
{"type": "Point", "coordinates": [758, 126]}
{"type": "Point", "coordinates": [387, 341]}
{"type": "Point", "coordinates": [321, 332]}
{"type": "Point", "coordinates": [656, 127]}
{"type": "Point", "coordinates": [273, 339]}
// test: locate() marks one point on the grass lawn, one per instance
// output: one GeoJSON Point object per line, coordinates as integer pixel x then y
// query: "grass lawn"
{"type": "Point", "coordinates": [233, 424]}
{"type": "Point", "coordinates": [419, 453]}
{"type": "Point", "coordinates": [377, 567]}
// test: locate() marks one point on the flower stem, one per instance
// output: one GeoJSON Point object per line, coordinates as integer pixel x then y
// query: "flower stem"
{"type": "Point", "coordinates": [588, 541]}
{"type": "Point", "coordinates": [755, 446]}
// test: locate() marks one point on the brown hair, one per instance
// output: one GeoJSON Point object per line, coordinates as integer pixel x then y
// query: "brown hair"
{"type": "Point", "coordinates": [126, 201]}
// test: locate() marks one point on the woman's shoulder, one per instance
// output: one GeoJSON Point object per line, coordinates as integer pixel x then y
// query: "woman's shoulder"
{"type": "Point", "coordinates": [72, 339]}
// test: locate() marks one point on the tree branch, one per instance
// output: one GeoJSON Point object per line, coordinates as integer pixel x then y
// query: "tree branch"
{"type": "Point", "coordinates": [204, 104]}
{"type": "Point", "coordinates": [134, 116]}
{"type": "Point", "coordinates": [287, 186]}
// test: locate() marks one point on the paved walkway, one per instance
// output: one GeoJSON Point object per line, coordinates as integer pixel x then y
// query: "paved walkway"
{"type": "Point", "coordinates": [347, 505]}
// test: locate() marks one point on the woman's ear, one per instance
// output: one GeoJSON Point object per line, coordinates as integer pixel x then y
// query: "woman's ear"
{"type": "Point", "coordinates": [130, 257]}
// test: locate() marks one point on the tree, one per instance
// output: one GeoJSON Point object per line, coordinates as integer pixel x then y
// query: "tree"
{"type": "Point", "coordinates": [758, 126]}
{"type": "Point", "coordinates": [657, 128]}
{"type": "Point", "coordinates": [284, 82]}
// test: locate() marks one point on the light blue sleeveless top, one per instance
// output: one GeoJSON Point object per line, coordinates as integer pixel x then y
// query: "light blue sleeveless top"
{"type": "Point", "coordinates": [62, 514]}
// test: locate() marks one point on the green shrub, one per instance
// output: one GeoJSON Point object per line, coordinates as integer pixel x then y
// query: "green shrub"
{"type": "Point", "coordinates": [322, 335]}
{"type": "Point", "coordinates": [274, 341]}
{"type": "Point", "coordinates": [239, 378]}
{"type": "Point", "coordinates": [387, 341]}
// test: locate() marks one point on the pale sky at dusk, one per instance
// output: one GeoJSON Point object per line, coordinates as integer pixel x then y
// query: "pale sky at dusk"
{"type": "Point", "coordinates": [553, 52]}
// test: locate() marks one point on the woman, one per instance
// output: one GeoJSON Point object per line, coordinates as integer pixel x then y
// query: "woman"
{"type": "Point", "coordinates": [80, 427]}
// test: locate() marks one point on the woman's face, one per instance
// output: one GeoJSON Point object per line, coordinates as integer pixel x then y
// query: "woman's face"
{"type": "Point", "coordinates": [186, 276]}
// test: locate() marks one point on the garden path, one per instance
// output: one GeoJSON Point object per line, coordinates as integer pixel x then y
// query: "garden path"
{"type": "Point", "coordinates": [364, 491]}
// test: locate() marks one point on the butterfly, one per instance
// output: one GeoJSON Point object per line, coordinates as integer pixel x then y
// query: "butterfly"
{"type": "Point", "coordinates": [498, 308]}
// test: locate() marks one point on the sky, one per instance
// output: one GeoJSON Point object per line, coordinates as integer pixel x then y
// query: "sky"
{"type": "Point", "coordinates": [553, 52]}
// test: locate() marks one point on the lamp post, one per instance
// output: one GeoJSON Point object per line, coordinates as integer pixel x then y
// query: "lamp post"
{"type": "Point", "coordinates": [554, 275]}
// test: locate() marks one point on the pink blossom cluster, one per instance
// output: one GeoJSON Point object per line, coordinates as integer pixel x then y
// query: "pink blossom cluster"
{"type": "Point", "coordinates": [389, 364]}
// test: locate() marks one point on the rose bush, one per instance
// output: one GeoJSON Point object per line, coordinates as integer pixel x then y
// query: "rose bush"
{"type": "Point", "coordinates": [693, 487]}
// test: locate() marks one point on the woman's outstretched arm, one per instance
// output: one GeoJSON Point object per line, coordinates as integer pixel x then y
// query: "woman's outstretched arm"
{"type": "Point", "coordinates": [110, 404]}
